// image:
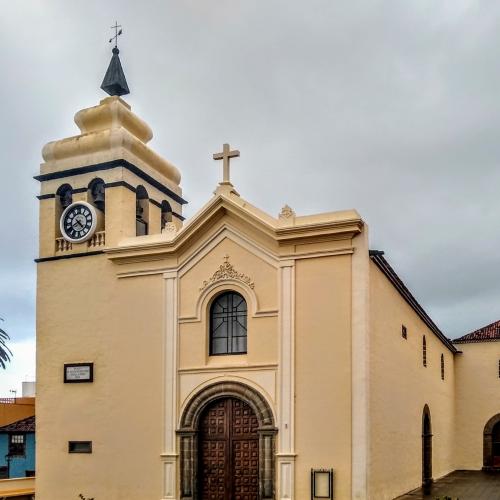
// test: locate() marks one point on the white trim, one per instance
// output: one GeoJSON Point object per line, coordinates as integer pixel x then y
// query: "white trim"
{"type": "Point", "coordinates": [286, 473]}
{"type": "Point", "coordinates": [286, 385]}
{"type": "Point", "coordinates": [315, 255]}
{"type": "Point", "coordinates": [169, 479]}
{"type": "Point", "coordinates": [360, 367]}
{"type": "Point", "coordinates": [169, 455]}
{"type": "Point", "coordinates": [225, 368]}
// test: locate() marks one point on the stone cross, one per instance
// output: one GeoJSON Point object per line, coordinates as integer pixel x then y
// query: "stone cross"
{"type": "Point", "coordinates": [225, 156]}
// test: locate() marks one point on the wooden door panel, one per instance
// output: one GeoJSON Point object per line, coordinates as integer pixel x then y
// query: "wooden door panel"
{"type": "Point", "coordinates": [246, 469]}
{"type": "Point", "coordinates": [213, 471]}
{"type": "Point", "coordinates": [229, 452]}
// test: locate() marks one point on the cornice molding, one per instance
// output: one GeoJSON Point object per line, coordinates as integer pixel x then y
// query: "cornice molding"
{"type": "Point", "coordinates": [220, 207]}
{"type": "Point", "coordinates": [70, 172]}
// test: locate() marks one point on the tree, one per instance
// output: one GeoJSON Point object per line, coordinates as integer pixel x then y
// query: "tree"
{"type": "Point", "coordinates": [5, 352]}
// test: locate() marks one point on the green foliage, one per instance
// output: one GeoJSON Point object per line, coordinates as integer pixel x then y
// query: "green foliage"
{"type": "Point", "coordinates": [5, 352]}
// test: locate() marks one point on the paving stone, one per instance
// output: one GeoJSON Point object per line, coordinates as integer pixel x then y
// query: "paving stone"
{"type": "Point", "coordinates": [464, 485]}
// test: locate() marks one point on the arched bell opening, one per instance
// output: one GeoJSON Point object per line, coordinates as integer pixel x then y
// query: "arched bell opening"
{"type": "Point", "coordinates": [166, 214]}
{"type": "Point", "coordinates": [141, 211]}
{"type": "Point", "coordinates": [64, 198]}
{"type": "Point", "coordinates": [64, 195]}
{"type": "Point", "coordinates": [97, 194]}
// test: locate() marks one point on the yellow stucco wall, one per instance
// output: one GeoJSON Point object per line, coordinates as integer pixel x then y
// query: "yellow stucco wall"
{"type": "Point", "coordinates": [477, 396]}
{"type": "Point", "coordinates": [400, 387]}
{"type": "Point", "coordinates": [262, 338]}
{"type": "Point", "coordinates": [323, 371]}
{"type": "Point", "coordinates": [85, 314]}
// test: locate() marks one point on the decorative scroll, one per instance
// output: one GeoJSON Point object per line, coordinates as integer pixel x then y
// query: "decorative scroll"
{"type": "Point", "coordinates": [227, 271]}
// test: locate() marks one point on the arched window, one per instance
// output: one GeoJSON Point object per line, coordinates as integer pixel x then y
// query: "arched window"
{"type": "Point", "coordinates": [65, 194]}
{"type": "Point", "coordinates": [166, 213]}
{"type": "Point", "coordinates": [424, 351]}
{"type": "Point", "coordinates": [426, 451]}
{"type": "Point", "coordinates": [98, 193]}
{"type": "Point", "coordinates": [141, 211]}
{"type": "Point", "coordinates": [442, 366]}
{"type": "Point", "coordinates": [228, 324]}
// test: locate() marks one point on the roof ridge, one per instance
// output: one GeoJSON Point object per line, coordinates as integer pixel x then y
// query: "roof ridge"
{"type": "Point", "coordinates": [488, 333]}
{"type": "Point", "coordinates": [26, 424]}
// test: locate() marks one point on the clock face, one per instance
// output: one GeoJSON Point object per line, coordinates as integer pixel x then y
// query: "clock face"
{"type": "Point", "coordinates": [78, 222]}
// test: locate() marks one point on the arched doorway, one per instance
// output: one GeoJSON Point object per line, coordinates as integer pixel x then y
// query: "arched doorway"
{"type": "Point", "coordinates": [491, 443]}
{"type": "Point", "coordinates": [426, 451]}
{"type": "Point", "coordinates": [224, 429]}
{"type": "Point", "coordinates": [228, 445]}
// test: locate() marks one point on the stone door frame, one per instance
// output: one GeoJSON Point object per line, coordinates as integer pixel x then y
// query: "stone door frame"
{"type": "Point", "coordinates": [188, 433]}
{"type": "Point", "coordinates": [488, 442]}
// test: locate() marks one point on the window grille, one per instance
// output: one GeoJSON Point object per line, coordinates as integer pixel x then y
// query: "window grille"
{"type": "Point", "coordinates": [228, 324]}
{"type": "Point", "coordinates": [16, 445]}
{"type": "Point", "coordinates": [442, 366]}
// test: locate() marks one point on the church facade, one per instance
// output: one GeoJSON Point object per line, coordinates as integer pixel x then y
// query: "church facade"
{"type": "Point", "coordinates": [235, 355]}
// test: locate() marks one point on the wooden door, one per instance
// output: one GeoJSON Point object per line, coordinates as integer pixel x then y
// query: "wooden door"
{"type": "Point", "coordinates": [495, 437]}
{"type": "Point", "coordinates": [229, 452]}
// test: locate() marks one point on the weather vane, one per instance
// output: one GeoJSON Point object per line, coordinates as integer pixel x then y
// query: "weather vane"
{"type": "Point", "coordinates": [118, 32]}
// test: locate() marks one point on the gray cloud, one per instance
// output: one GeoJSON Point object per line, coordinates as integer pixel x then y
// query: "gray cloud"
{"type": "Point", "coordinates": [389, 107]}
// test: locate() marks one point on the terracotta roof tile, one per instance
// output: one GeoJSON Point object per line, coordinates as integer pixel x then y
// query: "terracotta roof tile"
{"type": "Point", "coordinates": [489, 333]}
{"type": "Point", "coordinates": [24, 425]}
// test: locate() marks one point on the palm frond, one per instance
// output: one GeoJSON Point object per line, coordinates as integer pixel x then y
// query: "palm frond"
{"type": "Point", "coordinates": [5, 352]}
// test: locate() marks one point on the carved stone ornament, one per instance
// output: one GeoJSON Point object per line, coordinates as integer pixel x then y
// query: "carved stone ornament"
{"type": "Point", "coordinates": [169, 227]}
{"type": "Point", "coordinates": [225, 272]}
{"type": "Point", "coordinates": [287, 212]}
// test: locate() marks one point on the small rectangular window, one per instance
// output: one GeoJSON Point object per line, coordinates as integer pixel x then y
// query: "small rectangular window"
{"type": "Point", "coordinates": [16, 445]}
{"type": "Point", "coordinates": [79, 446]}
{"type": "Point", "coordinates": [499, 368]}
{"type": "Point", "coordinates": [404, 333]}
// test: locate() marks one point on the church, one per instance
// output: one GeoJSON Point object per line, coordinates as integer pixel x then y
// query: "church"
{"type": "Point", "coordinates": [237, 355]}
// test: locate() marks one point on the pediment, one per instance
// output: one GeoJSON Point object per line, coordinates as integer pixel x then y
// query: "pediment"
{"type": "Point", "coordinates": [277, 235]}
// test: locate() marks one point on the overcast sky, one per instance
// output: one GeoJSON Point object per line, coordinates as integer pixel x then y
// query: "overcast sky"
{"type": "Point", "coordinates": [389, 107]}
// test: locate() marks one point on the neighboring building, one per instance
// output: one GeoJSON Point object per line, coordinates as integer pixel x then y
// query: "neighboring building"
{"type": "Point", "coordinates": [231, 356]}
{"type": "Point", "coordinates": [13, 409]}
{"type": "Point", "coordinates": [17, 449]}
{"type": "Point", "coordinates": [29, 389]}
{"type": "Point", "coordinates": [477, 398]}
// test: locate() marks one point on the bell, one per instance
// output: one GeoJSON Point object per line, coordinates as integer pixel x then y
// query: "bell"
{"type": "Point", "coordinates": [99, 197]}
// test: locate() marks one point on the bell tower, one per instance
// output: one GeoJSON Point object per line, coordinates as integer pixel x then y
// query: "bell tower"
{"type": "Point", "coordinates": [109, 172]}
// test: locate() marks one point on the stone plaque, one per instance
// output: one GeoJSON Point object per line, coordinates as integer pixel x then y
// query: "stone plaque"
{"type": "Point", "coordinates": [78, 372]}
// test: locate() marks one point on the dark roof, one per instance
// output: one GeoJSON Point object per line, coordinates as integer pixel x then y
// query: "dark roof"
{"type": "Point", "coordinates": [24, 425]}
{"type": "Point", "coordinates": [114, 82]}
{"type": "Point", "coordinates": [488, 333]}
{"type": "Point", "coordinates": [377, 257]}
